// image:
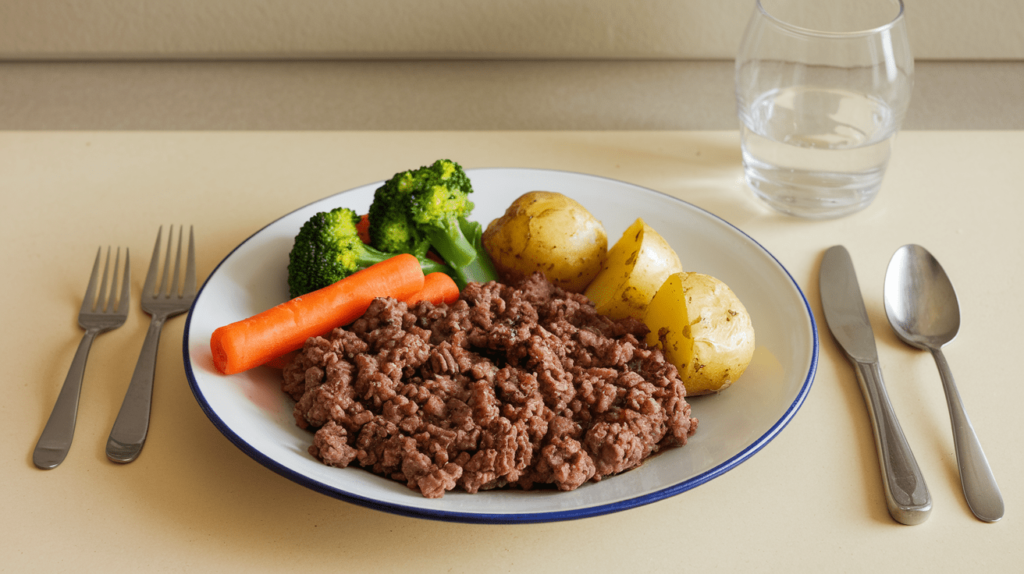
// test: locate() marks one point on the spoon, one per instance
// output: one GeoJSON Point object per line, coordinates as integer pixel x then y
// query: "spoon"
{"type": "Point", "coordinates": [923, 310]}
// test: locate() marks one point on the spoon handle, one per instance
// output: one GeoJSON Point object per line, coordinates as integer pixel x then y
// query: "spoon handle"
{"type": "Point", "coordinates": [980, 488]}
{"type": "Point", "coordinates": [906, 493]}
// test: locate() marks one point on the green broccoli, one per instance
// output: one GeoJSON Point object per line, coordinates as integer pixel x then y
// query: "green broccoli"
{"type": "Point", "coordinates": [391, 226]}
{"type": "Point", "coordinates": [480, 269]}
{"type": "Point", "coordinates": [328, 249]}
{"type": "Point", "coordinates": [424, 208]}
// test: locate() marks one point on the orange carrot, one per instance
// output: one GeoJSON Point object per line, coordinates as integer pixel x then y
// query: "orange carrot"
{"type": "Point", "coordinates": [254, 341]}
{"type": "Point", "coordinates": [437, 288]}
{"type": "Point", "coordinates": [363, 227]}
{"type": "Point", "coordinates": [431, 254]}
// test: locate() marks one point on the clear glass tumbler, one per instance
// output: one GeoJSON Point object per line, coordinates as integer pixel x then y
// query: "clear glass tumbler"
{"type": "Point", "coordinates": [821, 90]}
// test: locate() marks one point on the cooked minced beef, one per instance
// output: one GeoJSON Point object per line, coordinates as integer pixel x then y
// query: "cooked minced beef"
{"type": "Point", "coordinates": [508, 387]}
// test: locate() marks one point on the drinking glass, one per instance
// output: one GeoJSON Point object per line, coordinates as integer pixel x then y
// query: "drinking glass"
{"type": "Point", "coordinates": [821, 90]}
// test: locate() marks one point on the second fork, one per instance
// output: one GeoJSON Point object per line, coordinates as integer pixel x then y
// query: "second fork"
{"type": "Point", "coordinates": [162, 302]}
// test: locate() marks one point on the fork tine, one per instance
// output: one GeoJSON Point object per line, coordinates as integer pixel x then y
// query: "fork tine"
{"type": "Point", "coordinates": [150, 284]}
{"type": "Point", "coordinates": [190, 266]}
{"type": "Point", "coordinates": [165, 287]}
{"type": "Point", "coordinates": [90, 291]}
{"type": "Point", "coordinates": [173, 290]}
{"type": "Point", "coordinates": [126, 285]}
{"type": "Point", "coordinates": [101, 298]}
{"type": "Point", "coordinates": [109, 308]}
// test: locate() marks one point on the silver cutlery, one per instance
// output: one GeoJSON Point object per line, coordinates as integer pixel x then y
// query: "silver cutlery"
{"type": "Point", "coordinates": [162, 301]}
{"type": "Point", "coordinates": [923, 310]}
{"type": "Point", "coordinates": [906, 493]}
{"type": "Point", "coordinates": [98, 314]}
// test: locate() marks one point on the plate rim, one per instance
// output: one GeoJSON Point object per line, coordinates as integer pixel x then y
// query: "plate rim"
{"type": "Point", "coordinates": [510, 518]}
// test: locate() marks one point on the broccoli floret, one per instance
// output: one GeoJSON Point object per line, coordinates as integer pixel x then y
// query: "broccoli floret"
{"type": "Point", "coordinates": [391, 226]}
{"type": "Point", "coordinates": [423, 208]}
{"type": "Point", "coordinates": [328, 249]}
{"type": "Point", "coordinates": [480, 269]}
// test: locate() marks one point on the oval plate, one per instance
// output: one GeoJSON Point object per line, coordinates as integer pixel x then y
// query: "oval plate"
{"type": "Point", "coordinates": [254, 414]}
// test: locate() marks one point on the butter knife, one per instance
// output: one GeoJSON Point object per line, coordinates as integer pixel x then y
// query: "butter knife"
{"type": "Point", "coordinates": [906, 493]}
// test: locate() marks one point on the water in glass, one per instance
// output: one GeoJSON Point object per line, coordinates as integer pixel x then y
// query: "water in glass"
{"type": "Point", "coordinates": [817, 151]}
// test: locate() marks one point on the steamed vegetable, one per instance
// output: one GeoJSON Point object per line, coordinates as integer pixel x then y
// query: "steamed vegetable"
{"type": "Point", "coordinates": [363, 228]}
{"type": "Point", "coordinates": [328, 248]}
{"type": "Point", "coordinates": [420, 209]}
{"type": "Point", "coordinates": [254, 341]}
{"type": "Point", "coordinates": [636, 267]}
{"type": "Point", "coordinates": [481, 269]}
{"type": "Point", "coordinates": [703, 329]}
{"type": "Point", "coordinates": [437, 288]}
{"type": "Point", "coordinates": [551, 233]}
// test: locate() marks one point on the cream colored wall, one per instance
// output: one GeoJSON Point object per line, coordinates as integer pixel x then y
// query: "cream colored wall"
{"type": "Point", "coordinates": [599, 29]}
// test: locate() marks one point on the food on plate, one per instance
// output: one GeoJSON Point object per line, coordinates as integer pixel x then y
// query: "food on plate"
{"type": "Point", "coordinates": [508, 387]}
{"type": "Point", "coordinates": [550, 233]}
{"type": "Point", "coordinates": [703, 329]}
{"type": "Point", "coordinates": [363, 228]}
{"type": "Point", "coordinates": [636, 267]}
{"type": "Point", "coordinates": [328, 248]}
{"type": "Point", "coordinates": [480, 269]}
{"type": "Point", "coordinates": [253, 341]}
{"type": "Point", "coordinates": [575, 368]}
{"type": "Point", "coordinates": [437, 288]}
{"type": "Point", "coordinates": [426, 208]}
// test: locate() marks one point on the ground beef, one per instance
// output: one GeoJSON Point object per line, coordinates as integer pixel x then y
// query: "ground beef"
{"type": "Point", "coordinates": [517, 387]}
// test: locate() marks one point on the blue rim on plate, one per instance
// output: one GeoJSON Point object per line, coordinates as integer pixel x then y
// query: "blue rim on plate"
{"type": "Point", "coordinates": [572, 184]}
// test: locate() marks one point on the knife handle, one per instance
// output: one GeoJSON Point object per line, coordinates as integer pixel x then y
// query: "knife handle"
{"type": "Point", "coordinates": [906, 493]}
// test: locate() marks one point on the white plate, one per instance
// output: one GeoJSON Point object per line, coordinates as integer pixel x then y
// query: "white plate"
{"type": "Point", "coordinates": [252, 411]}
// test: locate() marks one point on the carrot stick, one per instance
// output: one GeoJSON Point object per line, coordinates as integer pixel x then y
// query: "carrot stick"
{"type": "Point", "coordinates": [431, 254]}
{"type": "Point", "coordinates": [254, 341]}
{"type": "Point", "coordinates": [437, 288]}
{"type": "Point", "coordinates": [363, 227]}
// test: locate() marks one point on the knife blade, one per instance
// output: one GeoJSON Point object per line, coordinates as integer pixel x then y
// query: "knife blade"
{"type": "Point", "coordinates": [906, 493]}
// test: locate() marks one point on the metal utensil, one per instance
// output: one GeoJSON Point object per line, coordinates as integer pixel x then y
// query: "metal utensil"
{"type": "Point", "coordinates": [923, 310]}
{"type": "Point", "coordinates": [162, 302]}
{"type": "Point", "coordinates": [98, 314]}
{"type": "Point", "coordinates": [906, 493]}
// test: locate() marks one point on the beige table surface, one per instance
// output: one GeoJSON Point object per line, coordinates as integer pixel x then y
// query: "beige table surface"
{"type": "Point", "coordinates": [810, 501]}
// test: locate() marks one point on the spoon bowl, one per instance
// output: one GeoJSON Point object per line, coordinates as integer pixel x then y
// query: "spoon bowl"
{"type": "Point", "coordinates": [920, 300]}
{"type": "Point", "coordinates": [924, 312]}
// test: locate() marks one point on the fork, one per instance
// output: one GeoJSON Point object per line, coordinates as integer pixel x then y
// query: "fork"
{"type": "Point", "coordinates": [98, 314]}
{"type": "Point", "coordinates": [161, 302]}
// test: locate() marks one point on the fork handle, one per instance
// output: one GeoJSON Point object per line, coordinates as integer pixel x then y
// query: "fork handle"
{"type": "Point", "coordinates": [129, 431]}
{"type": "Point", "coordinates": [55, 442]}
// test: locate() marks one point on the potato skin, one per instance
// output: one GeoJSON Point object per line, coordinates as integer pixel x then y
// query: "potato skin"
{"type": "Point", "coordinates": [636, 267]}
{"type": "Point", "coordinates": [551, 233]}
{"type": "Point", "coordinates": [703, 329]}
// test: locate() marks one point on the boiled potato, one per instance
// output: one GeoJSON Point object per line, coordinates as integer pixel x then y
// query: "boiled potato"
{"type": "Point", "coordinates": [551, 233]}
{"type": "Point", "coordinates": [703, 329]}
{"type": "Point", "coordinates": [636, 267]}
